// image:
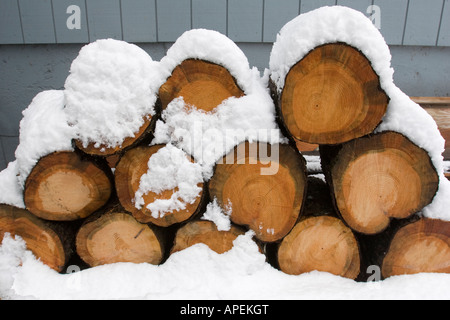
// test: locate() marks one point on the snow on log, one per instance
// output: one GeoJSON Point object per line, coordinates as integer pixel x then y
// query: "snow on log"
{"type": "Point", "coordinates": [115, 236]}
{"type": "Point", "coordinates": [320, 240]}
{"type": "Point", "coordinates": [51, 242]}
{"type": "Point", "coordinates": [377, 178]}
{"type": "Point", "coordinates": [160, 184]}
{"type": "Point", "coordinates": [110, 96]}
{"type": "Point", "coordinates": [66, 186]}
{"type": "Point", "coordinates": [263, 185]}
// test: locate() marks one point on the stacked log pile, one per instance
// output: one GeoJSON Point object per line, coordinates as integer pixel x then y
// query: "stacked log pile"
{"type": "Point", "coordinates": [365, 214]}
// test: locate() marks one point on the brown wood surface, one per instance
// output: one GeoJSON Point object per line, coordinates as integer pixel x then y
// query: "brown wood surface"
{"type": "Point", "coordinates": [116, 236]}
{"type": "Point", "coordinates": [332, 96]}
{"type": "Point", "coordinates": [51, 242]}
{"type": "Point", "coordinates": [66, 186]}
{"type": "Point", "coordinates": [269, 202]}
{"type": "Point", "coordinates": [202, 84]}
{"type": "Point", "coordinates": [131, 167]}
{"type": "Point", "coordinates": [420, 247]}
{"type": "Point", "coordinates": [377, 178]}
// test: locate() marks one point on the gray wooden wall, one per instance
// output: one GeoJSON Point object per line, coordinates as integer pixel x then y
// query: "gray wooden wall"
{"type": "Point", "coordinates": [37, 47]}
{"type": "Point", "coordinates": [403, 22]}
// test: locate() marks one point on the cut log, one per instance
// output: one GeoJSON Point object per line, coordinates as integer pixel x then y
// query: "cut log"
{"type": "Point", "coordinates": [51, 242]}
{"type": "Point", "coordinates": [142, 136]}
{"type": "Point", "coordinates": [131, 167]}
{"type": "Point", "coordinates": [420, 247]}
{"type": "Point", "coordinates": [206, 232]}
{"type": "Point", "coordinates": [264, 185]}
{"type": "Point", "coordinates": [320, 241]}
{"type": "Point", "coordinates": [377, 178]}
{"type": "Point", "coordinates": [331, 96]}
{"type": "Point", "coordinates": [202, 84]}
{"type": "Point", "coordinates": [116, 236]}
{"type": "Point", "coordinates": [66, 186]}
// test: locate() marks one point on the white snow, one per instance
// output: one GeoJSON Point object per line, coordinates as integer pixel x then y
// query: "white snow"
{"type": "Point", "coordinates": [44, 129]}
{"type": "Point", "coordinates": [220, 218]}
{"type": "Point", "coordinates": [170, 168]}
{"type": "Point", "coordinates": [110, 91]}
{"type": "Point", "coordinates": [112, 86]}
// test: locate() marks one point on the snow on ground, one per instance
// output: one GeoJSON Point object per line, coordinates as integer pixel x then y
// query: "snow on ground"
{"type": "Point", "coordinates": [198, 272]}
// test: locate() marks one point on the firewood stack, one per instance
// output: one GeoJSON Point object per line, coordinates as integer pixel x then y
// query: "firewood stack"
{"type": "Point", "coordinates": [365, 214]}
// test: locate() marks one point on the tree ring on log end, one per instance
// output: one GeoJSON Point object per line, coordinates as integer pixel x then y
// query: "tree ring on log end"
{"type": "Point", "coordinates": [202, 84]}
{"type": "Point", "coordinates": [332, 96]}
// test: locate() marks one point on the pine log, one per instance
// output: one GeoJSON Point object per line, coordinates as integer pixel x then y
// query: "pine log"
{"type": "Point", "coordinates": [142, 136]}
{"type": "Point", "coordinates": [331, 96]}
{"type": "Point", "coordinates": [66, 186]}
{"type": "Point", "coordinates": [408, 246]}
{"type": "Point", "coordinates": [206, 232]}
{"type": "Point", "coordinates": [115, 236]}
{"type": "Point", "coordinates": [320, 241]}
{"type": "Point", "coordinates": [264, 185]}
{"type": "Point", "coordinates": [377, 178]}
{"type": "Point", "coordinates": [202, 84]}
{"type": "Point", "coordinates": [131, 167]}
{"type": "Point", "coordinates": [51, 242]}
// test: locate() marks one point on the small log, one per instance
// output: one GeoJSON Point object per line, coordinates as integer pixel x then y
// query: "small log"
{"type": "Point", "coordinates": [131, 167]}
{"type": "Point", "coordinates": [66, 186]}
{"type": "Point", "coordinates": [202, 84]}
{"type": "Point", "coordinates": [266, 193]}
{"type": "Point", "coordinates": [206, 232]}
{"type": "Point", "coordinates": [51, 242]}
{"type": "Point", "coordinates": [377, 178]}
{"type": "Point", "coordinates": [320, 240]}
{"type": "Point", "coordinates": [116, 236]}
{"type": "Point", "coordinates": [331, 96]}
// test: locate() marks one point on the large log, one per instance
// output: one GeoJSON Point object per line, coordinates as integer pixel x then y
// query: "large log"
{"type": "Point", "coordinates": [202, 84]}
{"type": "Point", "coordinates": [206, 232]}
{"type": "Point", "coordinates": [66, 186]}
{"type": "Point", "coordinates": [115, 236]}
{"type": "Point", "coordinates": [131, 167]}
{"type": "Point", "coordinates": [264, 185]}
{"type": "Point", "coordinates": [377, 178]}
{"type": "Point", "coordinates": [320, 240]}
{"type": "Point", "coordinates": [331, 96]}
{"type": "Point", "coordinates": [51, 242]}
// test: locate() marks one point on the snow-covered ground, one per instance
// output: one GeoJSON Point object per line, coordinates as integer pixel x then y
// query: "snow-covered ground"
{"type": "Point", "coordinates": [54, 118]}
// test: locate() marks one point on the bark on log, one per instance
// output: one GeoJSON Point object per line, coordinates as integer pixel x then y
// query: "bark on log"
{"type": "Point", "coordinates": [202, 84]}
{"type": "Point", "coordinates": [377, 178]}
{"type": "Point", "coordinates": [115, 236]}
{"type": "Point", "coordinates": [66, 186]}
{"type": "Point", "coordinates": [331, 96]}
{"type": "Point", "coordinates": [320, 240]}
{"type": "Point", "coordinates": [142, 136]}
{"type": "Point", "coordinates": [265, 186]}
{"type": "Point", "coordinates": [51, 242]}
{"type": "Point", "coordinates": [131, 167]}
{"type": "Point", "coordinates": [206, 232]}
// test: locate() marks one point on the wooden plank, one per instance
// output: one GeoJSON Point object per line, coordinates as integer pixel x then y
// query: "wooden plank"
{"type": "Point", "coordinates": [393, 17]}
{"type": "Point", "coordinates": [174, 18]}
{"type": "Point", "coordinates": [442, 117]}
{"type": "Point", "coordinates": [245, 20]}
{"type": "Point", "coordinates": [447, 175]}
{"type": "Point", "coordinates": [432, 101]}
{"type": "Point", "coordinates": [139, 20]}
{"type": "Point", "coordinates": [444, 34]}
{"type": "Point", "coordinates": [10, 26]}
{"type": "Point", "coordinates": [104, 19]}
{"type": "Point", "coordinates": [423, 22]}
{"type": "Point", "coordinates": [210, 14]}
{"type": "Point", "coordinates": [70, 22]}
{"type": "Point", "coordinates": [360, 5]}
{"type": "Point", "coordinates": [309, 5]}
{"type": "Point", "coordinates": [276, 15]}
{"type": "Point", "coordinates": [37, 21]}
